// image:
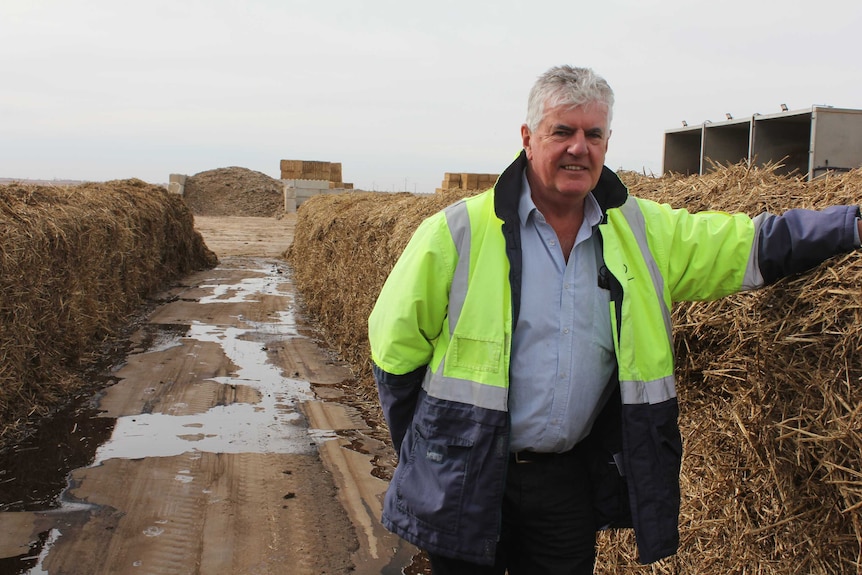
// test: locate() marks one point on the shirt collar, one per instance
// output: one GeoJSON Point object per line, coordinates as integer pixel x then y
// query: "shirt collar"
{"type": "Point", "coordinates": [592, 211]}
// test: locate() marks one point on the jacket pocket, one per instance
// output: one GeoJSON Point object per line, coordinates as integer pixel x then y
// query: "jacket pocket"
{"type": "Point", "coordinates": [431, 485]}
{"type": "Point", "coordinates": [606, 464]}
{"type": "Point", "coordinates": [475, 353]}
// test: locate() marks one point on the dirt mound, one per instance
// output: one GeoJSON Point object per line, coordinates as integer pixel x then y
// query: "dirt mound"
{"type": "Point", "coordinates": [234, 192]}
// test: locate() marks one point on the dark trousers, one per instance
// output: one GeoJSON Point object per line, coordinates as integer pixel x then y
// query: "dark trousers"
{"type": "Point", "coordinates": [548, 522]}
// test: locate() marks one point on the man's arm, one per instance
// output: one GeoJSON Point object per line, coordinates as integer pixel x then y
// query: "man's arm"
{"type": "Point", "coordinates": [398, 394]}
{"type": "Point", "coordinates": [799, 239]}
{"type": "Point", "coordinates": [407, 319]}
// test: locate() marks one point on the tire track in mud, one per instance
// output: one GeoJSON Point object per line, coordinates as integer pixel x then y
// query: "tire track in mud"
{"type": "Point", "coordinates": [158, 511]}
{"type": "Point", "coordinates": [213, 467]}
{"type": "Point", "coordinates": [209, 436]}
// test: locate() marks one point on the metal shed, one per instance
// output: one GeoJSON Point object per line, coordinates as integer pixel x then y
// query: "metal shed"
{"type": "Point", "coordinates": [808, 142]}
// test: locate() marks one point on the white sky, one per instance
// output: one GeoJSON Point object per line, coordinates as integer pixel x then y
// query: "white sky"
{"type": "Point", "coordinates": [398, 92]}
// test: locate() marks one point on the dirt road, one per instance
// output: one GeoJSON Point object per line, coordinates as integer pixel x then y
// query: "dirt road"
{"type": "Point", "coordinates": [233, 450]}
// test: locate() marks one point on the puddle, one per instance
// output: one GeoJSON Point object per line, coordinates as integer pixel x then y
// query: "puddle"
{"type": "Point", "coordinates": [160, 337]}
{"type": "Point", "coordinates": [249, 289]}
{"type": "Point", "coordinates": [237, 428]}
{"type": "Point", "coordinates": [31, 562]}
{"type": "Point", "coordinates": [33, 476]}
{"type": "Point", "coordinates": [272, 425]}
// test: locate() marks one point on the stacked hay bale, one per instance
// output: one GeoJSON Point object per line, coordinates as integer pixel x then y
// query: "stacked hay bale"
{"type": "Point", "coordinates": [315, 170]}
{"type": "Point", "coordinates": [75, 262]}
{"type": "Point", "coordinates": [467, 181]}
{"type": "Point", "coordinates": [770, 382]}
{"type": "Point", "coordinates": [304, 179]}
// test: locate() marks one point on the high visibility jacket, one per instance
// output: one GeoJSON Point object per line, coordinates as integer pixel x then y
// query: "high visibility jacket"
{"type": "Point", "coordinates": [441, 335]}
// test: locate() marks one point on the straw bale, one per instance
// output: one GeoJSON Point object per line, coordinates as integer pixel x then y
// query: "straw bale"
{"type": "Point", "coordinates": [75, 263]}
{"type": "Point", "coordinates": [315, 170]}
{"type": "Point", "coordinates": [343, 248]}
{"type": "Point", "coordinates": [770, 382]}
{"type": "Point", "coordinates": [467, 181]}
{"type": "Point", "coordinates": [451, 181]}
{"type": "Point", "coordinates": [470, 181]}
{"type": "Point", "coordinates": [290, 165]}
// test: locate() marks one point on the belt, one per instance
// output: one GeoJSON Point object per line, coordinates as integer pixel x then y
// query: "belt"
{"type": "Point", "coordinates": [536, 456]}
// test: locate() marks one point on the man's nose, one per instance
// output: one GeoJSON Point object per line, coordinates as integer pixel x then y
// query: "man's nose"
{"type": "Point", "coordinates": [577, 144]}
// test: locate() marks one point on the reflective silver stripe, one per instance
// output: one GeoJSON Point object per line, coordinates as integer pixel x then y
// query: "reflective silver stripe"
{"type": "Point", "coordinates": [663, 389]}
{"type": "Point", "coordinates": [635, 219]}
{"type": "Point", "coordinates": [451, 388]}
{"type": "Point", "coordinates": [643, 392]}
{"type": "Point", "coordinates": [458, 220]}
{"type": "Point", "coordinates": [465, 391]}
{"type": "Point", "coordinates": [753, 278]}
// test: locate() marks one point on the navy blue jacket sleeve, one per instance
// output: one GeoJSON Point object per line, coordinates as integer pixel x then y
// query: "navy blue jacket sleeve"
{"type": "Point", "coordinates": [800, 239]}
{"type": "Point", "coordinates": [398, 396]}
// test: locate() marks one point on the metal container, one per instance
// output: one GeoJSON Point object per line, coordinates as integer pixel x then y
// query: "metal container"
{"type": "Point", "coordinates": [807, 142]}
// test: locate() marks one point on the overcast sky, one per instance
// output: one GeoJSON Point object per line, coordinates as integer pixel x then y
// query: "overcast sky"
{"type": "Point", "coordinates": [398, 92]}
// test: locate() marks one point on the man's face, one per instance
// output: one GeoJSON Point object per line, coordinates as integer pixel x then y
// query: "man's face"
{"type": "Point", "coordinates": [566, 153]}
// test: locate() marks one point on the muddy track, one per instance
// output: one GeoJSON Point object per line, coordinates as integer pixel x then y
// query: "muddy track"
{"type": "Point", "coordinates": [234, 449]}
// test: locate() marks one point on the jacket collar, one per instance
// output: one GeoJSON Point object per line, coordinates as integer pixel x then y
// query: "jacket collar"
{"type": "Point", "coordinates": [610, 192]}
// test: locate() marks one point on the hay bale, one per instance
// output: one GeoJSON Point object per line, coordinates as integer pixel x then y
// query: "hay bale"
{"type": "Point", "coordinates": [347, 243]}
{"type": "Point", "coordinates": [75, 262]}
{"type": "Point", "coordinates": [770, 383]}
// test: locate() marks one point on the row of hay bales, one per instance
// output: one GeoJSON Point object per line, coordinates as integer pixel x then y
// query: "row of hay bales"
{"type": "Point", "coordinates": [770, 382]}
{"type": "Point", "coordinates": [75, 264]}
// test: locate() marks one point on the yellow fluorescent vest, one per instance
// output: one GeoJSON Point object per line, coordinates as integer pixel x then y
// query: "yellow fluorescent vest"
{"type": "Point", "coordinates": [447, 302]}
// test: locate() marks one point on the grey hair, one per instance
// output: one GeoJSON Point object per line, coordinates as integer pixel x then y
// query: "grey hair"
{"type": "Point", "coordinates": [567, 86]}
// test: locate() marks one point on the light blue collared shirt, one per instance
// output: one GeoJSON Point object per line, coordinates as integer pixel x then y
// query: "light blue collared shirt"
{"type": "Point", "coordinates": [562, 354]}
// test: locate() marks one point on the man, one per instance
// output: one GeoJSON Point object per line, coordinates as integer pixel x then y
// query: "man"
{"type": "Point", "coordinates": [523, 355]}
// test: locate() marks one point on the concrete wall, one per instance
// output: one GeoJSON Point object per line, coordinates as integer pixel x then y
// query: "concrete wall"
{"type": "Point", "coordinates": [296, 192]}
{"type": "Point", "coordinates": [177, 184]}
{"type": "Point", "coordinates": [306, 178]}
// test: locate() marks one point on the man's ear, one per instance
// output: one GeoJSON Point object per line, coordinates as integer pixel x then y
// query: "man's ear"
{"type": "Point", "coordinates": [525, 140]}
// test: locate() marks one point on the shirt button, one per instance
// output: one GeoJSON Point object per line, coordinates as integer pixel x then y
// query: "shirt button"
{"type": "Point", "coordinates": [566, 330]}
